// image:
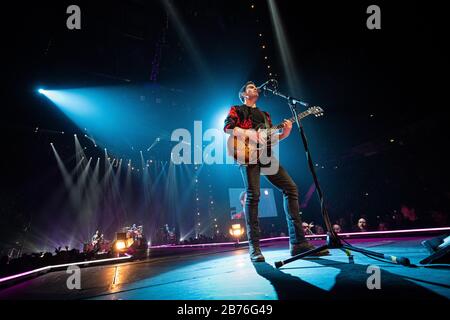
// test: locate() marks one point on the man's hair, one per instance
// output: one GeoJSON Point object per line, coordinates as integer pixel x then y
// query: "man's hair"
{"type": "Point", "coordinates": [242, 90]}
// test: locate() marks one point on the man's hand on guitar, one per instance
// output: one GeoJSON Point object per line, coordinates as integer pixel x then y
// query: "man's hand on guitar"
{"type": "Point", "coordinates": [287, 127]}
{"type": "Point", "coordinates": [253, 135]}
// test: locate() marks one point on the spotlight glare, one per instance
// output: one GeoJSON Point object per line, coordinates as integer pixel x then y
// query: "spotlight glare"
{"type": "Point", "coordinates": [41, 91]}
{"type": "Point", "coordinates": [120, 245]}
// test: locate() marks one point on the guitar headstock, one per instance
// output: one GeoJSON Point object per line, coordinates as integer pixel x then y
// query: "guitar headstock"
{"type": "Point", "coordinates": [317, 111]}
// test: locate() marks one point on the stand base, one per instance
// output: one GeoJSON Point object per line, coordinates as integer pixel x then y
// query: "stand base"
{"type": "Point", "coordinates": [333, 242]}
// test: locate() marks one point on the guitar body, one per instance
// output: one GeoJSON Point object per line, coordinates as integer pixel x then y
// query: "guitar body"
{"type": "Point", "coordinates": [245, 151]}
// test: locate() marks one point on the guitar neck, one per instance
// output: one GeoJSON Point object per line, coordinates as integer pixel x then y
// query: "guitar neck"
{"type": "Point", "coordinates": [292, 119]}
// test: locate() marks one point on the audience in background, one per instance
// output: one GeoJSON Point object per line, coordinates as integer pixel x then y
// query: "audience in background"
{"type": "Point", "coordinates": [397, 220]}
{"type": "Point", "coordinates": [410, 217]}
{"type": "Point", "coordinates": [307, 228]}
{"type": "Point", "coordinates": [319, 229]}
{"type": "Point", "coordinates": [28, 261]}
{"type": "Point", "coordinates": [439, 218]}
{"type": "Point", "coordinates": [362, 225]}
{"type": "Point", "coordinates": [343, 224]}
{"type": "Point", "coordinates": [337, 228]}
{"type": "Point", "coordinates": [382, 226]}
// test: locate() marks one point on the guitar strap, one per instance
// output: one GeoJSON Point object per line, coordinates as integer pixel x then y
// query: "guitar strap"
{"type": "Point", "coordinates": [266, 123]}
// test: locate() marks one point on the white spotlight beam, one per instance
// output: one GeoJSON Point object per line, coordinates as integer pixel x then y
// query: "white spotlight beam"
{"type": "Point", "coordinates": [283, 47]}
{"type": "Point", "coordinates": [66, 176]}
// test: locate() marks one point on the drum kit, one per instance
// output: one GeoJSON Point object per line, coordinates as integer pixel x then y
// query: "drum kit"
{"type": "Point", "coordinates": [135, 232]}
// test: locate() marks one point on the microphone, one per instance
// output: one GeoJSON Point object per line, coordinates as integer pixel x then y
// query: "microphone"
{"type": "Point", "coordinates": [264, 85]}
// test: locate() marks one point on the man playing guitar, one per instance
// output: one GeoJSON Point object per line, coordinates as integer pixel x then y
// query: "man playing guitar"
{"type": "Point", "coordinates": [241, 122]}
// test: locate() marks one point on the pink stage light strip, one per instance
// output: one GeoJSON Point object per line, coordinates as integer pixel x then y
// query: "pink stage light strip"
{"type": "Point", "coordinates": [386, 232]}
{"type": "Point", "coordinates": [23, 274]}
{"type": "Point", "coordinates": [367, 233]}
{"type": "Point", "coordinates": [195, 245]}
{"type": "Point", "coordinates": [349, 234]}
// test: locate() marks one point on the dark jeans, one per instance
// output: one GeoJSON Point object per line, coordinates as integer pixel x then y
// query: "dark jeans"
{"type": "Point", "coordinates": [283, 182]}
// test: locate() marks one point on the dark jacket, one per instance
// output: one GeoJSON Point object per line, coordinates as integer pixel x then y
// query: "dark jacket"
{"type": "Point", "coordinates": [239, 116]}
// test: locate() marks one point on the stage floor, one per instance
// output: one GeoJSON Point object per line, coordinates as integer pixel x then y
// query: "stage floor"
{"type": "Point", "coordinates": [227, 273]}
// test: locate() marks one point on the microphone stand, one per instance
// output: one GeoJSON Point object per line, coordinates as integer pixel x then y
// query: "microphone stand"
{"type": "Point", "coordinates": [333, 240]}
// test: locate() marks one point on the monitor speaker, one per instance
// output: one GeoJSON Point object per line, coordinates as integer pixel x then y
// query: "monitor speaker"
{"type": "Point", "coordinates": [121, 236]}
{"type": "Point", "coordinates": [439, 249]}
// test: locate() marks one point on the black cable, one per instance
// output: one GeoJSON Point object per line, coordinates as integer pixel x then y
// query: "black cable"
{"type": "Point", "coordinates": [370, 256]}
{"type": "Point", "coordinates": [437, 265]}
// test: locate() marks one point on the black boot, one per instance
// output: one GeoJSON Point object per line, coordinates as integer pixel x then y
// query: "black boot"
{"type": "Point", "coordinates": [255, 251]}
{"type": "Point", "coordinates": [253, 235]}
